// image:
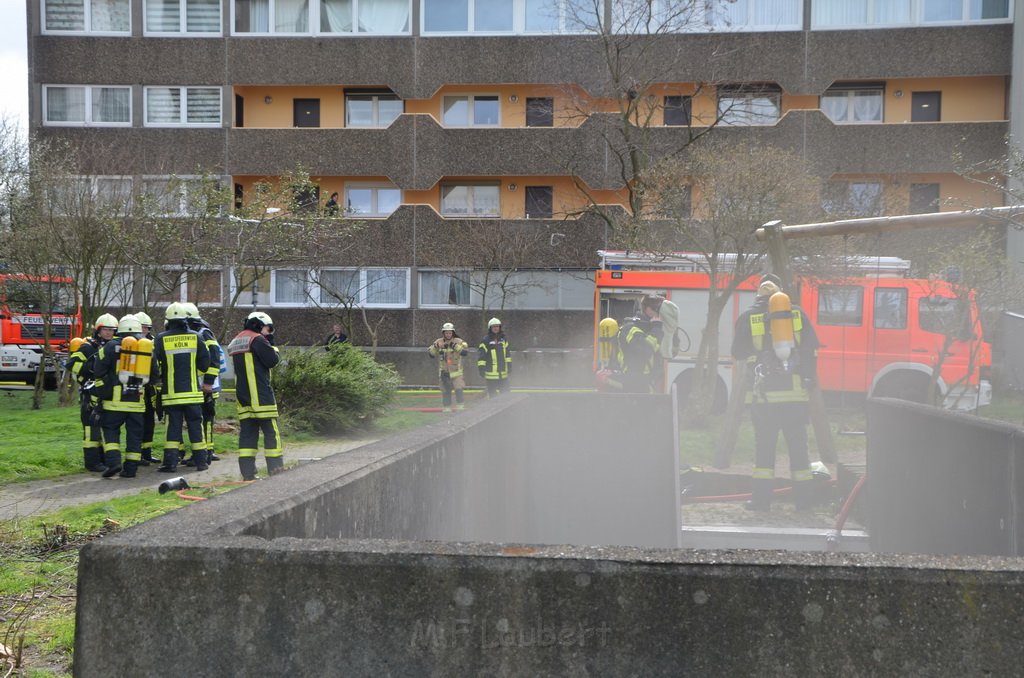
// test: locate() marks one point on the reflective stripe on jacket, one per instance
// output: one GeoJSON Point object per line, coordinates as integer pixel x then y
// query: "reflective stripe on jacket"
{"type": "Point", "coordinates": [181, 356]}
{"type": "Point", "coordinates": [253, 357]}
{"type": "Point", "coordinates": [493, 355]}
{"type": "Point", "coordinates": [449, 356]}
{"type": "Point", "coordinates": [114, 396]}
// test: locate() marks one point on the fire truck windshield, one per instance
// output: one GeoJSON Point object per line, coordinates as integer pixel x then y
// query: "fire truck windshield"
{"type": "Point", "coordinates": [32, 296]}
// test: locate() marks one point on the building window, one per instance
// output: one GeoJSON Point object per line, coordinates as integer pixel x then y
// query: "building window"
{"type": "Point", "coordinates": [833, 14]}
{"type": "Point", "coordinates": [749, 106]}
{"type": "Point", "coordinates": [540, 112]}
{"type": "Point", "coordinates": [853, 104]}
{"type": "Point", "coordinates": [854, 198]}
{"type": "Point", "coordinates": [67, 106]}
{"type": "Point", "coordinates": [677, 110]}
{"type": "Point", "coordinates": [199, 17]}
{"type": "Point", "coordinates": [470, 200]}
{"type": "Point", "coordinates": [368, 109]}
{"type": "Point", "coordinates": [841, 305]}
{"type": "Point", "coordinates": [926, 106]}
{"type": "Point", "coordinates": [385, 287]}
{"type": "Point", "coordinates": [507, 16]}
{"type": "Point", "coordinates": [87, 16]}
{"type": "Point", "coordinates": [381, 17]}
{"type": "Point", "coordinates": [444, 288]}
{"type": "Point", "coordinates": [271, 16]}
{"type": "Point", "coordinates": [291, 286]}
{"type": "Point", "coordinates": [371, 201]}
{"type": "Point", "coordinates": [474, 110]}
{"type": "Point", "coordinates": [759, 15]}
{"type": "Point", "coordinates": [964, 10]}
{"type": "Point", "coordinates": [174, 106]}
{"type": "Point", "coordinates": [541, 290]}
{"type": "Point", "coordinates": [924, 198]}
{"type": "Point", "coordinates": [539, 202]}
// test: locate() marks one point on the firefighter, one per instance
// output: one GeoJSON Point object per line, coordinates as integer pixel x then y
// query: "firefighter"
{"type": "Point", "coordinates": [253, 355]}
{"type": "Point", "coordinates": [449, 350]}
{"type": "Point", "coordinates": [180, 356]}
{"type": "Point", "coordinates": [82, 370]}
{"type": "Point", "coordinates": [639, 346]}
{"type": "Point", "coordinates": [202, 328]}
{"type": "Point", "coordinates": [120, 392]}
{"type": "Point", "coordinates": [149, 416]}
{"type": "Point", "coordinates": [779, 370]}
{"type": "Point", "coordinates": [494, 361]}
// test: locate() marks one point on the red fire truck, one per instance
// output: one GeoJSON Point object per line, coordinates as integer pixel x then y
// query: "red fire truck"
{"type": "Point", "coordinates": [881, 333]}
{"type": "Point", "coordinates": [24, 300]}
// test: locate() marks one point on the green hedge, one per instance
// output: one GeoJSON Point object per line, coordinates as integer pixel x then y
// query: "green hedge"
{"type": "Point", "coordinates": [332, 391]}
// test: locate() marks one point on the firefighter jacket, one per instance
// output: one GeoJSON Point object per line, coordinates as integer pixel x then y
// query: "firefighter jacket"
{"type": "Point", "coordinates": [80, 358]}
{"type": "Point", "coordinates": [210, 341]}
{"type": "Point", "coordinates": [493, 358]}
{"type": "Point", "coordinates": [179, 357]}
{"type": "Point", "coordinates": [449, 355]}
{"type": "Point", "coordinates": [769, 379]}
{"type": "Point", "coordinates": [637, 349]}
{"type": "Point", "coordinates": [115, 396]}
{"type": "Point", "coordinates": [253, 357]}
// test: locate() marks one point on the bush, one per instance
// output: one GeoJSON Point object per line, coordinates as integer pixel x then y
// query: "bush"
{"type": "Point", "coordinates": [332, 391]}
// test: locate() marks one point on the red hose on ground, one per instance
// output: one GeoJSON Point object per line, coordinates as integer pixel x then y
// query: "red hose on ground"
{"type": "Point", "coordinates": [844, 512]}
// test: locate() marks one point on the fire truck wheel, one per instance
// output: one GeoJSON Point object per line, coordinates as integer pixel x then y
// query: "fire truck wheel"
{"type": "Point", "coordinates": [912, 386]}
{"type": "Point", "coordinates": [721, 400]}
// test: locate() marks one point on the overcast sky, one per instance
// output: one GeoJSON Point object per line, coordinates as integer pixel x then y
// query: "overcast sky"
{"type": "Point", "coordinates": [13, 61]}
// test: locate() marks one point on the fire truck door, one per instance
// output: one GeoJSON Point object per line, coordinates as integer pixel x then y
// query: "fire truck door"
{"type": "Point", "coordinates": [838, 314]}
{"type": "Point", "coordinates": [890, 334]}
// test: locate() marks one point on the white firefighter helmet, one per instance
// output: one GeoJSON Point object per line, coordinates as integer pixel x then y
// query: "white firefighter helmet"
{"type": "Point", "coordinates": [261, 316]}
{"type": "Point", "coordinates": [144, 319]}
{"type": "Point", "coordinates": [448, 327]}
{"type": "Point", "coordinates": [129, 324]}
{"type": "Point", "coordinates": [106, 320]}
{"type": "Point", "coordinates": [190, 309]}
{"type": "Point", "coordinates": [175, 311]}
{"type": "Point", "coordinates": [492, 322]}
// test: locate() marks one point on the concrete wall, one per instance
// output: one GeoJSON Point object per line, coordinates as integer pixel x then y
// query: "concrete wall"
{"type": "Point", "coordinates": [344, 567]}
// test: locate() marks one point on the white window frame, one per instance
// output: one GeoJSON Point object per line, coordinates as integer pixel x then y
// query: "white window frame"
{"type": "Point", "coordinates": [87, 29]}
{"type": "Point", "coordinates": [313, 23]}
{"type": "Point", "coordinates": [850, 93]}
{"type": "Point", "coordinates": [916, 18]}
{"type": "Point", "coordinates": [313, 290]}
{"type": "Point", "coordinates": [183, 112]}
{"type": "Point", "coordinates": [185, 292]}
{"type": "Point", "coordinates": [518, 21]}
{"type": "Point", "coordinates": [90, 182]}
{"type": "Point", "coordinates": [474, 294]}
{"type": "Point", "coordinates": [471, 100]}
{"type": "Point", "coordinates": [308, 288]}
{"type": "Point", "coordinates": [747, 96]}
{"type": "Point", "coordinates": [186, 183]}
{"type": "Point", "coordinates": [469, 214]}
{"type": "Point", "coordinates": [183, 31]}
{"type": "Point", "coordinates": [375, 96]}
{"type": "Point", "coordinates": [374, 188]}
{"type": "Point", "coordinates": [526, 279]}
{"type": "Point", "coordinates": [88, 107]}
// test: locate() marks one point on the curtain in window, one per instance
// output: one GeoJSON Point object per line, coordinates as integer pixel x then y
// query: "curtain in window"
{"type": "Point", "coordinates": [65, 15]}
{"type": "Point", "coordinates": [111, 104]}
{"type": "Point", "coordinates": [202, 16]}
{"type": "Point", "coordinates": [386, 286]}
{"type": "Point", "coordinates": [776, 13]}
{"type": "Point", "coordinates": [111, 16]}
{"type": "Point", "coordinates": [841, 12]}
{"type": "Point", "coordinates": [486, 200]}
{"type": "Point", "coordinates": [335, 16]}
{"type": "Point", "coordinates": [384, 16]}
{"type": "Point", "coordinates": [442, 288]}
{"type": "Point", "coordinates": [203, 105]}
{"type": "Point", "coordinates": [726, 14]}
{"type": "Point", "coordinates": [114, 192]}
{"type": "Point", "coordinates": [542, 16]}
{"type": "Point", "coordinates": [835, 106]}
{"type": "Point", "coordinates": [290, 286]}
{"type": "Point", "coordinates": [867, 106]}
{"type": "Point", "coordinates": [446, 16]}
{"type": "Point", "coordinates": [163, 105]}
{"type": "Point", "coordinates": [943, 10]}
{"type": "Point", "coordinates": [291, 16]}
{"type": "Point", "coordinates": [492, 15]}
{"type": "Point", "coordinates": [891, 12]}
{"type": "Point", "coordinates": [455, 200]}
{"type": "Point", "coordinates": [252, 16]}
{"type": "Point", "coordinates": [65, 104]}
{"type": "Point", "coordinates": [338, 286]}
{"type": "Point", "coordinates": [163, 16]}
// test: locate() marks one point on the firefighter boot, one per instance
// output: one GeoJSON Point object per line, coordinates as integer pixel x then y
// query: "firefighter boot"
{"type": "Point", "coordinates": [170, 464]}
{"type": "Point", "coordinates": [274, 465]}
{"type": "Point", "coordinates": [112, 460]}
{"type": "Point", "coordinates": [129, 469]}
{"type": "Point", "coordinates": [247, 465]}
{"type": "Point", "coordinates": [803, 495]}
{"type": "Point", "coordinates": [94, 459]}
{"type": "Point", "coordinates": [148, 458]}
{"type": "Point", "coordinates": [761, 495]}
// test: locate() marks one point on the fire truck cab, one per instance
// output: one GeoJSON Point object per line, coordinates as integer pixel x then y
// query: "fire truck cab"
{"type": "Point", "coordinates": [880, 334]}
{"type": "Point", "coordinates": [23, 300]}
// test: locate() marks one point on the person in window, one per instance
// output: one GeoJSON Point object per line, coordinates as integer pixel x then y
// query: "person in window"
{"type": "Point", "coordinates": [335, 337]}
{"type": "Point", "coordinates": [779, 394]}
{"type": "Point", "coordinates": [331, 208]}
{"type": "Point", "coordinates": [449, 350]}
{"type": "Point", "coordinates": [493, 359]}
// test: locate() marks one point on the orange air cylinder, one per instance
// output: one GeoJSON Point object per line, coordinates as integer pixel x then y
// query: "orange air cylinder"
{"type": "Point", "coordinates": [75, 344]}
{"type": "Point", "coordinates": [781, 313]}
{"type": "Point", "coordinates": [126, 365]}
{"type": "Point", "coordinates": [144, 359]}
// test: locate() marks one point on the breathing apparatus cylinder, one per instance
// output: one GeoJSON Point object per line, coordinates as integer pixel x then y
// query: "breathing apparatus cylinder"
{"type": "Point", "coordinates": [126, 364]}
{"type": "Point", "coordinates": [607, 332]}
{"type": "Point", "coordinates": [75, 344]}
{"type": "Point", "coordinates": [144, 359]}
{"type": "Point", "coordinates": [780, 310]}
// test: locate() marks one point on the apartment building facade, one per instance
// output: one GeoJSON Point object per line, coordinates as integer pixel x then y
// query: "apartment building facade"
{"type": "Point", "coordinates": [424, 115]}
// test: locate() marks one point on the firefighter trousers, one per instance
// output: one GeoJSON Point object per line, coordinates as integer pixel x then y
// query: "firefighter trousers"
{"type": "Point", "coordinates": [177, 415]}
{"type": "Point", "coordinates": [496, 386]}
{"type": "Point", "coordinates": [249, 437]}
{"type": "Point", "coordinates": [112, 422]}
{"type": "Point", "coordinates": [769, 419]}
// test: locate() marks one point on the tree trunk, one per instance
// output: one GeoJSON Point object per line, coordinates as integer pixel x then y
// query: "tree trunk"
{"type": "Point", "coordinates": [705, 372]}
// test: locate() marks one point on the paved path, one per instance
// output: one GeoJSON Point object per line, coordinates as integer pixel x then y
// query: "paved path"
{"type": "Point", "coordinates": [44, 496]}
